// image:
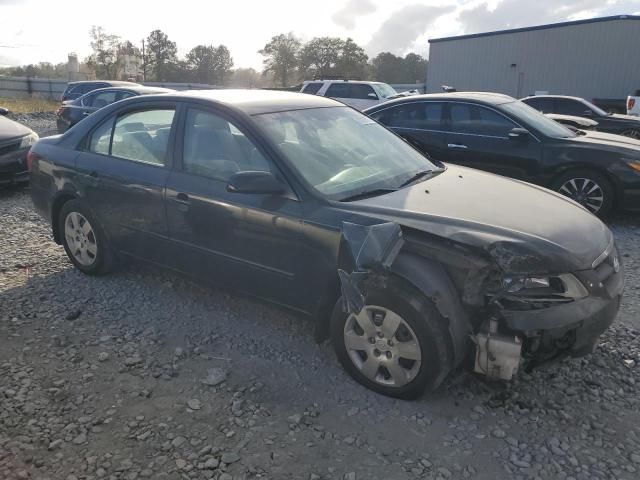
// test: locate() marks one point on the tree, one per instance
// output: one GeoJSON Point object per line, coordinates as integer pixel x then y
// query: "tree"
{"type": "Point", "coordinates": [105, 58]}
{"type": "Point", "coordinates": [246, 78]}
{"type": "Point", "coordinates": [200, 61]}
{"type": "Point", "coordinates": [320, 56]}
{"type": "Point", "coordinates": [161, 54]}
{"type": "Point", "coordinates": [281, 57]}
{"type": "Point", "coordinates": [388, 68]}
{"type": "Point", "coordinates": [352, 62]}
{"type": "Point", "coordinates": [415, 68]}
{"type": "Point", "coordinates": [223, 63]}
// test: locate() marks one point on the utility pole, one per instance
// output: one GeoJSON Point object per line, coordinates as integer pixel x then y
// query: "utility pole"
{"type": "Point", "coordinates": [144, 63]}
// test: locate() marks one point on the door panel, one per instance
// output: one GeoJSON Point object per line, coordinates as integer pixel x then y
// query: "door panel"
{"type": "Point", "coordinates": [249, 242]}
{"type": "Point", "coordinates": [126, 192]}
{"type": "Point", "coordinates": [479, 138]}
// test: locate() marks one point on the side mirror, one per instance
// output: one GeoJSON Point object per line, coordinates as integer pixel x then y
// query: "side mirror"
{"type": "Point", "coordinates": [372, 95]}
{"type": "Point", "coordinates": [518, 133]}
{"type": "Point", "coordinates": [587, 113]}
{"type": "Point", "coordinates": [3, 111]}
{"type": "Point", "coordinates": [255, 182]}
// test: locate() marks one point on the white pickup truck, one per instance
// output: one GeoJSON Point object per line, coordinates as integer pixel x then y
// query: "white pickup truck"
{"type": "Point", "coordinates": [633, 104]}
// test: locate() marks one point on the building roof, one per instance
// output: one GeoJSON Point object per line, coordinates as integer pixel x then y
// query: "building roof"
{"type": "Point", "coordinates": [537, 27]}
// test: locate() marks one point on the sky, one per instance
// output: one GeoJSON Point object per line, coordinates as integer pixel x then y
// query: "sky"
{"type": "Point", "coordinates": [47, 30]}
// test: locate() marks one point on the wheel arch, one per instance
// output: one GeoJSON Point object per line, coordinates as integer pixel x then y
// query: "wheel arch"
{"type": "Point", "coordinates": [56, 206]}
{"type": "Point", "coordinates": [593, 168]}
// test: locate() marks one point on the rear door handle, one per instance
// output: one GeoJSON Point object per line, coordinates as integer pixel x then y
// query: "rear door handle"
{"type": "Point", "coordinates": [183, 200]}
{"type": "Point", "coordinates": [457, 145]}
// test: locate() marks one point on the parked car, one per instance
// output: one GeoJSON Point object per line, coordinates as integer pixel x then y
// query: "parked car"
{"type": "Point", "coordinates": [499, 134]}
{"type": "Point", "coordinates": [77, 89]}
{"type": "Point", "coordinates": [578, 123]}
{"type": "Point", "coordinates": [72, 111]}
{"type": "Point", "coordinates": [633, 104]}
{"type": "Point", "coordinates": [579, 107]}
{"type": "Point", "coordinates": [308, 203]}
{"type": "Point", "coordinates": [15, 141]}
{"type": "Point", "coordinates": [356, 93]}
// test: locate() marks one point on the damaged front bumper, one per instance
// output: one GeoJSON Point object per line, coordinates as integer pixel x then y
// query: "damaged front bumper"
{"type": "Point", "coordinates": [542, 335]}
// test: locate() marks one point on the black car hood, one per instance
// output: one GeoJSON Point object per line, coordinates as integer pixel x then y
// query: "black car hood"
{"type": "Point", "coordinates": [10, 130]}
{"type": "Point", "coordinates": [625, 118]}
{"type": "Point", "coordinates": [607, 141]}
{"type": "Point", "coordinates": [525, 228]}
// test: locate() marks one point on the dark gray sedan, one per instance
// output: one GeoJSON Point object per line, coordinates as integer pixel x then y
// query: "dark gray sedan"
{"type": "Point", "coordinates": [409, 267]}
{"type": "Point", "coordinates": [15, 141]}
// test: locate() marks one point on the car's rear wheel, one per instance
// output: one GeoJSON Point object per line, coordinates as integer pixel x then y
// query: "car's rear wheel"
{"type": "Point", "coordinates": [590, 189]}
{"type": "Point", "coordinates": [632, 133]}
{"type": "Point", "coordinates": [398, 345]}
{"type": "Point", "coordinates": [83, 239]}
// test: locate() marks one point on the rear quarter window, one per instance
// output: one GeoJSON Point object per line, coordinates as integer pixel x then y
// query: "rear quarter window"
{"type": "Point", "coordinates": [312, 88]}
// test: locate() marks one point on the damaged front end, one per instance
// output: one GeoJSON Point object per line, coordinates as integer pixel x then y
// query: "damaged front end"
{"type": "Point", "coordinates": [497, 310]}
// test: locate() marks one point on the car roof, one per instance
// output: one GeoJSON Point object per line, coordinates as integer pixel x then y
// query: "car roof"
{"type": "Point", "coordinates": [487, 98]}
{"type": "Point", "coordinates": [255, 101]}
{"type": "Point", "coordinates": [334, 80]}
{"type": "Point", "coordinates": [568, 97]}
{"type": "Point", "coordinates": [115, 83]}
{"type": "Point", "coordinates": [141, 89]}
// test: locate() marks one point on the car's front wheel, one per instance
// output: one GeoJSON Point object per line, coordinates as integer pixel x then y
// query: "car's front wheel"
{"type": "Point", "coordinates": [83, 239]}
{"type": "Point", "coordinates": [632, 133]}
{"type": "Point", "coordinates": [590, 189]}
{"type": "Point", "coordinates": [398, 345]}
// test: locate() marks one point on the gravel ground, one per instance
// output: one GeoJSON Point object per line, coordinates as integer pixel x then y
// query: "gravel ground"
{"type": "Point", "coordinates": [43, 123]}
{"type": "Point", "coordinates": [143, 374]}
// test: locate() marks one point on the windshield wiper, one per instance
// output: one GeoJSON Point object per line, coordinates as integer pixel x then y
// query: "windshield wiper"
{"type": "Point", "coordinates": [367, 194]}
{"type": "Point", "coordinates": [416, 177]}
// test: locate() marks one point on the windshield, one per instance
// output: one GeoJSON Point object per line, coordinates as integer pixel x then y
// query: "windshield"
{"type": "Point", "coordinates": [535, 119]}
{"type": "Point", "coordinates": [385, 90]}
{"type": "Point", "coordinates": [596, 109]}
{"type": "Point", "coordinates": [341, 152]}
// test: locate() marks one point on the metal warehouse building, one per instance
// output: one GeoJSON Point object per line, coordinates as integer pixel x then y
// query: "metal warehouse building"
{"type": "Point", "coordinates": [597, 58]}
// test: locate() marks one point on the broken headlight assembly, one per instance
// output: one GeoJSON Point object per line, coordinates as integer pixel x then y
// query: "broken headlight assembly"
{"type": "Point", "coordinates": [538, 291]}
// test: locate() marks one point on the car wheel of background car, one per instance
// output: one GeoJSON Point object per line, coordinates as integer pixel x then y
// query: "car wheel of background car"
{"type": "Point", "coordinates": [632, 134]}
{"type": "Point", "coordinates": [590, 189]}
{"type": "Point", "coordinates": [83, 239]}
{"type": "Point", "coordinates": [397, 345]}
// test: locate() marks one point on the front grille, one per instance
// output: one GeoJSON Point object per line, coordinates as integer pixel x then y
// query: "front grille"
{"type": "Point", "coordinates": [12, 147]}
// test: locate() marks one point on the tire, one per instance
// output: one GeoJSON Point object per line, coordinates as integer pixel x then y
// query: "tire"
{"type": "Point", "coordinates": [632, 133]}
{"type": "Point", "coordinates": [427, 331]}
{"type": "Point", "coordinates": [584, 181]}
{"type": "Point", "coordinates": [88, 248]}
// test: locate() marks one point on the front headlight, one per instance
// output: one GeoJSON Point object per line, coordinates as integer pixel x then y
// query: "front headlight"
{"type": "Point", "coordinates": [564, 286]}
{"type": "Point", "coordinates": [29, 140]}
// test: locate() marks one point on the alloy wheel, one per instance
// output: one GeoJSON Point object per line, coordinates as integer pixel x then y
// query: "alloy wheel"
{"type": "Point", "coordinates": [81, 238]}
{"type": "Point", "coordinates": [632, 134]}
{"type": "Point", "coordinates": [383, 346]}
{"type": "Point", "coordinates": [585, 191]}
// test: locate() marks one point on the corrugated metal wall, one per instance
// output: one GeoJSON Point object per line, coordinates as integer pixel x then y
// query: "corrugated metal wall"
{"type": "Point", "coordinates": [590, 60]}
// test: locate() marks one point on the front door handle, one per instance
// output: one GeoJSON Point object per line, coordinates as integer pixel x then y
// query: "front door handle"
{"type": "Point", "coordinates": [457, 145]}
{"type": "Point", "coordinates": [182, 199]}
{"type": "Point", "coordinates": [93, 177]}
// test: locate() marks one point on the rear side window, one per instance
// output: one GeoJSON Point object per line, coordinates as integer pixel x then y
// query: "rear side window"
{"type": "Point", "coordinates": [143, 136]}
{"type": "Point", "coordinates": [338, 90]}
{"type": "Point", "coordinates": [312, 88]}
{"type": "Point", "coordinates": [419, 115]}
{"type": "Point", "coordinates": [477, 120]}
{"type": "Point", "coordinates": [101, 138]}
{"type": "Point", "coordinates": [544, 105]}
{"type": "Point", "coordinates": [362, 91]}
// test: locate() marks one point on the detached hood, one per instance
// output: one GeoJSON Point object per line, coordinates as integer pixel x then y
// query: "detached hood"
{"type": "Point", "coordinates": [525, 228]}
{"type": "Point", "coordinates": [608, 141]}
{"type": "Point", "coordinates": [10, 130]}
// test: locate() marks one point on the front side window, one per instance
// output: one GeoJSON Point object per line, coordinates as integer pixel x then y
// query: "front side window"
{"type": "Point", "coordinates": [418, 115]}
{"type": "Point", "coordinates": [143, 136]}
{"type": "Point", "coordinates": [338, 90]}
{"type": "Point", "coordinates": [478, 120]}
{"type": "Point", "coordinates": [531, 117]}
{"type": "Point", "coordinates": [566, 106]}
{"type": "Point", "coordinates": [312, 88]}
{"type": "Point", "coordinates": [215, 148]}
{"type": "Point", "coordinates": [340, 152]}
{"type": "Point", "coordinates": [362, 91]}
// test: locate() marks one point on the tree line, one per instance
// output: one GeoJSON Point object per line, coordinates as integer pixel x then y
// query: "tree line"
{"type": "Point", "coordinates": [287, 61]}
